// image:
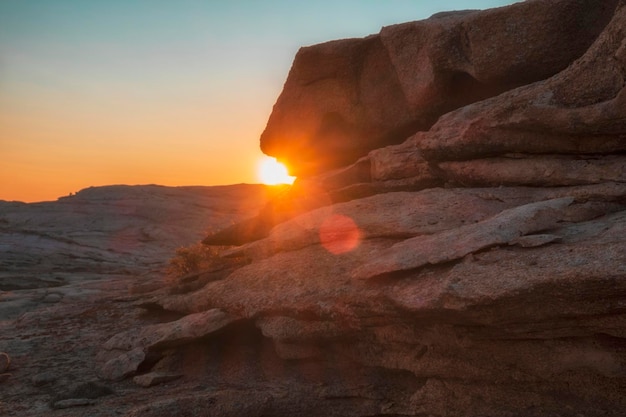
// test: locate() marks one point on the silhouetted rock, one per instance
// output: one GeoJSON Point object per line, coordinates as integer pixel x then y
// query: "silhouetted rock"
{"type": "Point", "coordinates": [345, 98]}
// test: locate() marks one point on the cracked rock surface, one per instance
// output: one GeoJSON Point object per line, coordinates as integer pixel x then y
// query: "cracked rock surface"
{"type": "Point", "coordinates": [455, 245]}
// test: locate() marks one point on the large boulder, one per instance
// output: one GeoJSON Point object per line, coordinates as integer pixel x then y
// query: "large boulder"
{"type": "Point", "coordinates": [569, 129]}
{"type": "Point", "coordinates": [578, 111]}
{"type": "Point", "coordinates": [495, 278]}
{"type": "Point", "coordinates": [345, 98]}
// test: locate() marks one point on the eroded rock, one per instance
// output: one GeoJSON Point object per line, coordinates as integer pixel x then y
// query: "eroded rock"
{"type": "Point", "coordinates": [161, 336]}
{"type": "Point", "coordinates": [492, 301]}
{"type": "Point", "coordinates": [345, 98]}
{"type": "Point", "coordinates": [122, 365]}
{"type": "Point", "coordinates": [542, 171]}
{"type": "Point", "coordinates": [577, 111]}
{"type": "Point", "coordinates": [81, 395]}
{"type": "Point", "coordinates": [454, 244]}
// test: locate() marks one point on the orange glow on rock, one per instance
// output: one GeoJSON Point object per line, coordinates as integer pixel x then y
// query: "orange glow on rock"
{"type": "Point", "coordinates": [339, 234]}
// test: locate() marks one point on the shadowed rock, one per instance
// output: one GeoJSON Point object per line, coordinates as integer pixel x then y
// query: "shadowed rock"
{"type": "Point", "coordinates": [123, 353]}
{"type": "Point", "coordinates": [580, 110]}
{"type": "Point", "coordinates": [542, 171]}
{"type": "Point", "coordinates": [122, 365]}
{"type": "Point", "coordinates": [155, 378]}
{"type": "Point", "coordinates": [345, 98]}
{"type": "Point", "coordinates": [160, 336]}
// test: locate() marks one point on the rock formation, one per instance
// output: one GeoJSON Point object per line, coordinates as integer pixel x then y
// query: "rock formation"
{"type": "Point", "coordinates": [477, 244]}
{"type": "Point", "coordinates": [345, 98]}
{"type": "Point", "coordinates": [455, 244]}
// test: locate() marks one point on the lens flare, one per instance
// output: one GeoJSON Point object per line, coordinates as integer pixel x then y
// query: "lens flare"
{"type": "Point", "coordinates": [272, 172]}
{"type": "Point", "coordinates": [339, 234]}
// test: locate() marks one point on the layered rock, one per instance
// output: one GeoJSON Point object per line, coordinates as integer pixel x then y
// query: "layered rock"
{"type": "Point", "coordinates": [495, 277]}
{"type": "Point", "coordinates": [550, 133]}
{"type": "Point", "coordinates": [477, 293]}
{"type": "Point", "coordinates": [474, 268]}
{"type": "Point", "coordinates": [345, 98]}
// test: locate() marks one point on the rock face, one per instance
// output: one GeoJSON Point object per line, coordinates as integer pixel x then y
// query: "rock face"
{"type": "Point", "coordinates": [478, 261]}
{"type": "Point", "coordinates": [345, 98]}
{"type": "Point", "coordinates": [459, 252]}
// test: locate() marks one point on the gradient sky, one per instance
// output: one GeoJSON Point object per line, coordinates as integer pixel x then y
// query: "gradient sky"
{"type": "Point", "coordinates": [97, 92]}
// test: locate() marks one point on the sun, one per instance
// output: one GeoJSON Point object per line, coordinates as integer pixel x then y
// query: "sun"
{"type": "Point", "coordinates": [272, 172]}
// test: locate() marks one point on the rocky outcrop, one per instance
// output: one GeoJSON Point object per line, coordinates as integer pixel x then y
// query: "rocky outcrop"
{"type": "Point", "coordinates": [470, 266]}
{"type": "Point", "coordinates": [477, 293]}
{"type": "Point", "coordinates": [483, 256]}
{"type": "Point", "coordinates": [540, 134]}
{"type": "Point", "coordinates": [125, 352]}
{"type": "Point", "coordinates": [345, 98]}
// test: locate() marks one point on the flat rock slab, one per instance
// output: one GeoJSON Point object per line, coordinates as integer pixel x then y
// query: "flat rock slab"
{"type": "Point", "coordinates": [160, 336]}
{"type": "Point", "coordinates": [401, 215]}
{"type": "Point", "coordinates": [44, 378]}
{"type": "Point", "coordinates": [454, 244]}
{"type": "Point", "coordinates": [580, 279]}
{"type": "Point", "coordinates": [123, 365]}
{"type": "Point", "coordinates": [533, 241]}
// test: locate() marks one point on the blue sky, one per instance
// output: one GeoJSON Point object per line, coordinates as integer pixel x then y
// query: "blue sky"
{"type": "Point", "coordinates": [174, 92]}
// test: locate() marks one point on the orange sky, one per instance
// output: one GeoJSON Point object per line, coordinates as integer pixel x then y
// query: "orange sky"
{"type": "Point", "coordinates": [59, 142]}
{"type": "Point", "coordinates": [100, 92]}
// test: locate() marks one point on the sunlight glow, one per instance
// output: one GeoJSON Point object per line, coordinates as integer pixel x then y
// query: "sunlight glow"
{"type": "Point", "coordinates": [339, 234]}
{"type": "Point", "coordinates": [272, 172]}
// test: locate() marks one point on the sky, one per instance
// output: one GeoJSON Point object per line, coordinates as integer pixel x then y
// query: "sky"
{"type": "Point", "coordinates": [98, 92]}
